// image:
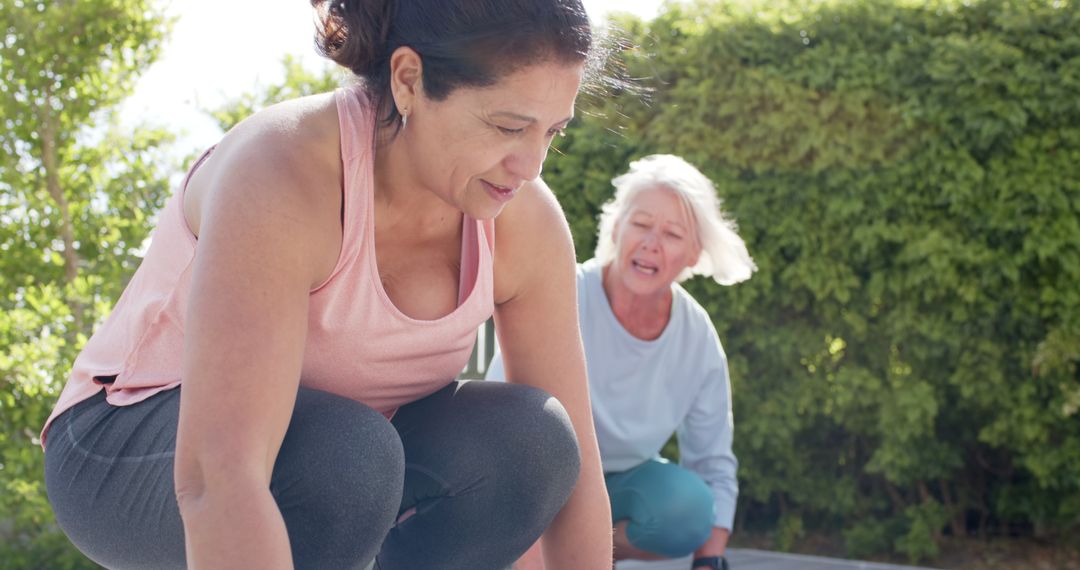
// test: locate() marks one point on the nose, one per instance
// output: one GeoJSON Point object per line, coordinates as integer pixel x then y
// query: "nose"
{"type": "Point", "coordinates": [650, 241]}
{"type": "Point", "coordinates": [527, 160]}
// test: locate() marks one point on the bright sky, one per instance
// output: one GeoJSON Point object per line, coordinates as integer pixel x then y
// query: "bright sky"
{"type": "Point", "coordinates": [221, 49]}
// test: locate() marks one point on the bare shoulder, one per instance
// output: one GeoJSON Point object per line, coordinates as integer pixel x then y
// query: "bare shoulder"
{"type": "Point", "coordinates": [283, 162]}
{"type": "Point", "coordinates": [292, 147]}
{"type": "Point", "coordinates": [532, 235]}
{"type": "Point", "coordinates": [535, 207]}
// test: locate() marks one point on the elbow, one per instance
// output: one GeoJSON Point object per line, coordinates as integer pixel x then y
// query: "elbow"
{"type": "Point", "coordinates": [189, 483]}
{"type": "Point", "coordinates": [199, 479]}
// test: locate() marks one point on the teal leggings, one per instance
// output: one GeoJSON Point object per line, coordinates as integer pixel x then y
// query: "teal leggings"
{"type": "Point", "coordinates": [669, 509]}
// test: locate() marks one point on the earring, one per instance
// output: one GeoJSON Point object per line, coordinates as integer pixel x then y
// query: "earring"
{"type": "Point", "coordinates": [404, 120]}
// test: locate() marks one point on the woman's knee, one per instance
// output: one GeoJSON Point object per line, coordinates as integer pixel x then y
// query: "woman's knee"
{"type": "Point", "coordinates": [536, 438]}
{"type": "Point", "coordinates": [339, 457]}
{"type": "Point", "coordinates": [679, 536]}
{"type": "Point", "coordinates": [518, 436]}
{"type": "Point", "coordinates": [337, 480]}
{"type": "Point", "coordinates": [681, 512]}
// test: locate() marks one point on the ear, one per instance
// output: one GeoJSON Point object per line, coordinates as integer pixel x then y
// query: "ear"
{"type": "Point", "coordinates": [406, 71]}
{"type": "Point", "coordinates": [694, 257]}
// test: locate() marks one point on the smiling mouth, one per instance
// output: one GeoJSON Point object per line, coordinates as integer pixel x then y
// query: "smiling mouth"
{"type": "Point", "coordinates": [644, 267]}
{"type": "Point", "coordinates": [501, 192]}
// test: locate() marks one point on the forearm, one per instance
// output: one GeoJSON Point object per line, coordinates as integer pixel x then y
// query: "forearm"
{"type": "Point", "coordinates": [234, 529]}
{"type": "Point", "coordinates": [580, 535]}
{"type": "Point", "coordinates": [716, 545]}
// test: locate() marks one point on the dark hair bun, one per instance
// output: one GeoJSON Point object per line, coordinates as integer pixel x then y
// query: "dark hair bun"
{"type": "Point", "coordinates": [354, 33]}
{"type": "Point", "coordinates": [463, 43]}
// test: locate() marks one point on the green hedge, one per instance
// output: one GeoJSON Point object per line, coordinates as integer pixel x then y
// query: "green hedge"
{"type": "Point", "coordinates": [907, 177]}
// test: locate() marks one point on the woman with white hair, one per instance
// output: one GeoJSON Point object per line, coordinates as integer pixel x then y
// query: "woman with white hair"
{"type": "Point", "coordinates": [655, 362]}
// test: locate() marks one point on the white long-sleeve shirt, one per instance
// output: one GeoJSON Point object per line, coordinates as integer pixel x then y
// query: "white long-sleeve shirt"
{"type": "Point", "coordinates": [642, 391]}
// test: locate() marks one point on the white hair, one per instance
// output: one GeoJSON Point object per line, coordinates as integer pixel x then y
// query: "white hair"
{"type": "Point", "coordinates": [723, 253]}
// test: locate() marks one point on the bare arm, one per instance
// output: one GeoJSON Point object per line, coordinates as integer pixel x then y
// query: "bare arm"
{"type": "Point", "coordinates": [258, 256]}
{"type": "Point", "coordinates": [715, 545]}
{"type": "Point", "coordinates": [537, 322]}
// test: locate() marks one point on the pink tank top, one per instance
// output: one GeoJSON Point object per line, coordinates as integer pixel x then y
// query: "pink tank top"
{"type": "Point", "coordinates": [359, 345]}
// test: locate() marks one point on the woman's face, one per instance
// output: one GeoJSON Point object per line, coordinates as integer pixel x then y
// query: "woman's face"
{"type": "Point", "coordinates": [477, 147]}
{"type": "Point", "coordinates": [654, 242]}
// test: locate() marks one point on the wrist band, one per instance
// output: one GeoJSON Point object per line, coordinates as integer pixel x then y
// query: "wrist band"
{"type": "Point", "coordinates": [711, 562]}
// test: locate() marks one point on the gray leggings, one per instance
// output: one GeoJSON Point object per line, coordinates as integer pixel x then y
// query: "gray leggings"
{"type": "Point", "coordinates": [467, 478]}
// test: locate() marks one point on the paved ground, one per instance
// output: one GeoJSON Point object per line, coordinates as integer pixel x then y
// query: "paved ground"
{"type": "Point", "coordinates": [747, 559]}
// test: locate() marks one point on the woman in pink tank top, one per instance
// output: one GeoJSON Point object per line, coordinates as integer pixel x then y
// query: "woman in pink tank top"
{"type": "Point", "coordinates": [276, 386]}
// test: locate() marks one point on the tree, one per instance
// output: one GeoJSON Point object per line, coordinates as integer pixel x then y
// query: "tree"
{"type": "Point", "coordinates": [299, 81]}
{"type": "Point", "coordinates": [905, 360]}
{"type": "Point", "coordinates": [77, 199]}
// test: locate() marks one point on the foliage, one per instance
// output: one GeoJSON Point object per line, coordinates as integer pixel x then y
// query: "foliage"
{"type": "Point", "coordinates": [77, 199]}
{"type": "Point", "coordinates": [924, 523]}
{"type": "Point", "coordinates": [870, 537]}
{"type": "Point", "coordinates": [299, 81]}
{"type": "Point", "coordinates": [789, 529]}
{"type": "Point", "coordinates": [907, 177]}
